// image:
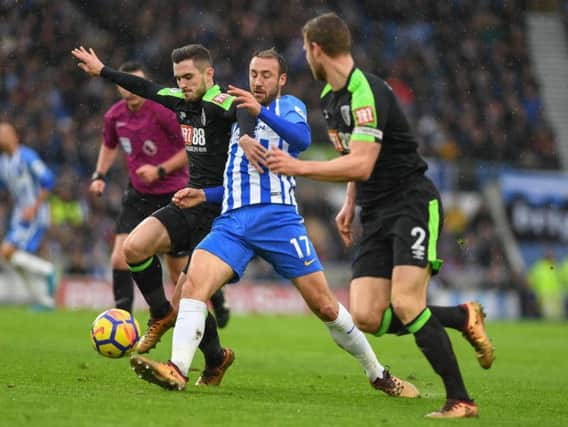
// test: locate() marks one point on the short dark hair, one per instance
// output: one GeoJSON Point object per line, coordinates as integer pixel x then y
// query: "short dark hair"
{"type": "Point", "coordinates": [132, 66]}
{"type": "Point", "coordinates": [196, 52]}
{"type": "Point", "coordinates": [273, 53]}
{"type": "Point", "coordinates": [330, 32]}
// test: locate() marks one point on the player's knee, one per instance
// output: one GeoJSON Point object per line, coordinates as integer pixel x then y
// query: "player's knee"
{"type": "Point", "coordinates": [135, 250]}
{"type": "Point", "coordinates": [118, 260]}
{"type": "Point", "coordinates": [405, 308]}
{"type": "Point", "coordinates": [326, 309]}
{"type": "Point", "coordinates": [7, 251]}
{"type": "Point", "coordinates": [365, 321]}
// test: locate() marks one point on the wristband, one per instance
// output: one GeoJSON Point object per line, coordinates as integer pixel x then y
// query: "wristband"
{"type": "Point", "coordinates": [161, 172]}
{"type": "Point", "coordinates": [97, 176]}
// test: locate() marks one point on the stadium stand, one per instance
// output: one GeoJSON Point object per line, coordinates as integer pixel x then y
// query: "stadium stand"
{"type": "Point", "coordinates": [461, 70]}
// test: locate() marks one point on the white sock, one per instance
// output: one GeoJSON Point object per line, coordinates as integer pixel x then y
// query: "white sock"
{"type": "Point", "coordinates": [37, 287]}
{"type": "Point", "coordinates": [31, 263]}
{"type": "Point", "coordinates": [189, 329]}
{"type": "Point", "coordinates": [351, 339]}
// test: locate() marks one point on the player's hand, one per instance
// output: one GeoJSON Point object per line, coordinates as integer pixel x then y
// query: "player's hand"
{"type": "Point", "coordinates": [188, 197]}
{"type": "Point", "coordinates": [148, 173]}
{"type": "Point", "coordinates": [89, 61]}
{"type": "Point", "coordinates": [245, 99]}
{"type": "Point", "coordinates": [255, 152]}
{"type": "Point", "coordinates": [28, 214]}
{"type": "Point", "coordinates": [343, 221]}
{"type": "Point", "coordinates": [97, 187]}
{"type": "Point", "coordinates": [283, 163]}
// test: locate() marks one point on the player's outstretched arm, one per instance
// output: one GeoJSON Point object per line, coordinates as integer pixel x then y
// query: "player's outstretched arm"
{"type": "Point", "coordinates": [89, 62]}
{"type": "Point", "coordinates": [355, 166]}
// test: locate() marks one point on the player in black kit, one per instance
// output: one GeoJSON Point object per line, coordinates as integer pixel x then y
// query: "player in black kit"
{"type": "Point", "coordinates": [401, 211]}
{"type": "Point", "coordinates": [205, 115]}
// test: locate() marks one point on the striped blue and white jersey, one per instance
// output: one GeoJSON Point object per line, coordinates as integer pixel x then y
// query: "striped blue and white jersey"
{"type": "Point", "coordinates": [242, 183]}
{"type": "Point", "coordinates": [24, 174]}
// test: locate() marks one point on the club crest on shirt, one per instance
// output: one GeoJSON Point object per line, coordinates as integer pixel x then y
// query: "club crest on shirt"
{"type": "Point", "coordinates": [346, 114]}
{"type": "Point", "coordinates": [149, 148]}
{"type": "Point", "coordinates": [181, 115]}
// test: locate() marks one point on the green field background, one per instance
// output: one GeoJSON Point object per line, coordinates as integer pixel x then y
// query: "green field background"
{"type": "Point", "coordinates": [287, 372]}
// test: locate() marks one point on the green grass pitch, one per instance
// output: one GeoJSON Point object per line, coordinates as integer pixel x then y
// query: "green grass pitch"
{"type": "Point", "coordinates": [287, 372]}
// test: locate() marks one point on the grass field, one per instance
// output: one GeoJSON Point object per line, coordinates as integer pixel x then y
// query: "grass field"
{"type": "Point", "coordinates": [287, 372]}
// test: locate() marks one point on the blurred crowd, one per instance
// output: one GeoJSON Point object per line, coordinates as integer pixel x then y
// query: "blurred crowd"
{"type": "Point", "coordinates": [460, 68]}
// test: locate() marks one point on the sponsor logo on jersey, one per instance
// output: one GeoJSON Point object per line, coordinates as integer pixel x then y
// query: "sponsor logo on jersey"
{"type": "Point", "coordinates": [340, 140]}
{"type": "Point", "coordinates": [364, 115]}
{"type": "Point", "coordinates": [346, 114]}
{"type": "Point", "coordinates": [149, 148]}
{"type": "Point", "coordinates": [181, 115]}
{"type": "Point", "coordinates": [203, 117]}
{"type": "Point", "coordinates": [194, 138]}
{"type": "Point", "coordinates": [187, 134]}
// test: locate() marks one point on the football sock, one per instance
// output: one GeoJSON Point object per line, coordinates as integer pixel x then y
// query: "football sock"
{"type": "Point", "coordinates": [31, 263]}
{"type": "Point", "coordinates": [37, 287]}
{"type": "Point", "coordinates": [210, 345]}
{"type": "Point", "coordinates": [450, 317]}
{"type": "Point", "coordinates": [148, 277]}
{"type": "Point", "coordinates": [347, 336]}
{"type": "Point", "coordinates": [123, 289]}
{"type": "Point", "coordinates": [391, 324]}
{"type": "Point", "coordinates": [188, 331]}
{"type": "Point", "coordinates": [218, 299]}
{"type": "Point", "coordinates": [433, 341]}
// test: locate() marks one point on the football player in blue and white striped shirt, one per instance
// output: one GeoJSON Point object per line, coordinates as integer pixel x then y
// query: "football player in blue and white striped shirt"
{"type": "Point", "coordinates": [260, 217]}
{"type": "Point", "coordinates": [29, 182]}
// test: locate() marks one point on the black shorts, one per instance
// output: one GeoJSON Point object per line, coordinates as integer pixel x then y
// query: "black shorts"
{"type": "Point", "coordinates": [402, 230]}
{"type": "Point", "coordinates": [138, 206]}
{"type": "Point", "coordinates": [187, 227]}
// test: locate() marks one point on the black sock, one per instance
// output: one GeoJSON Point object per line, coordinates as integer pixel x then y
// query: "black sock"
{"type": "Point", "coordinates": [391, 324]}
{"type": "Point", "coordinates": [450, 317]}
{"type": "Point", "coordinates": [148, 277]}
{"type": "Point", "coordinates": [434, 342]}
{"type": "Point", "coordinates": [218, 299]}
{"type": "Point", "coordinates": [210, 345]}
{"type": "Point", "coordinates": [123, 289]}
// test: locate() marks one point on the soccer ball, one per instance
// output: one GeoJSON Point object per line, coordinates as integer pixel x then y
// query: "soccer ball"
{"type": "Point", "coordinates": [114, 333]}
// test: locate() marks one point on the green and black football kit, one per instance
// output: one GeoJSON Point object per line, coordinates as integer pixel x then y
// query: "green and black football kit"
{"type": "Point", "coordinates": [206, 129]}
{"type": "Point", "coordinates": [401, 210]}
